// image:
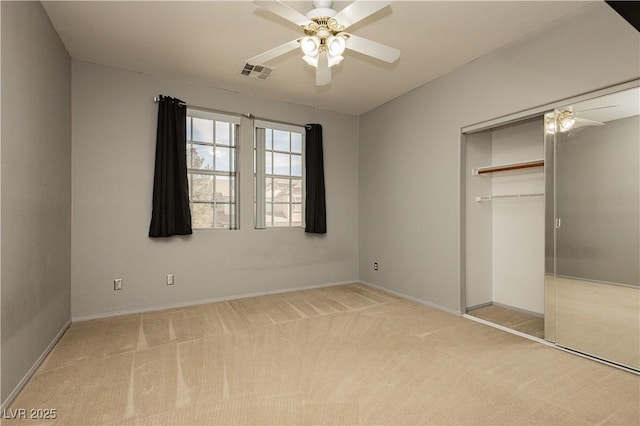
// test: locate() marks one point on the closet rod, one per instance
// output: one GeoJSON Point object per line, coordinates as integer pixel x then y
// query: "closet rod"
{"type": "Point", "coordinates": [508, 167]}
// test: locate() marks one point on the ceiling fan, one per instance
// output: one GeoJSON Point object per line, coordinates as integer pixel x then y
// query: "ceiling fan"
{"type": "Point", "coordinates": [566, 119]}
{"type": "Point", "coordinates": [324, 39]}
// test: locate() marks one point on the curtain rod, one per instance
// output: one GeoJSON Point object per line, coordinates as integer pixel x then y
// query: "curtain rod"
{"type": "Point", "coordinates": [248, 115]}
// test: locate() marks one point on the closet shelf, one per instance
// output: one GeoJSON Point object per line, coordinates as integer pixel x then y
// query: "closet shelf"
{"type": "Point", "coordinates": [508, 167]}
{"type": "Point", "coordinates": [482, 198]}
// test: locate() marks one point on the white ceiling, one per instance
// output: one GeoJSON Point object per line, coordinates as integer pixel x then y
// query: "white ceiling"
{"type": "Point", "coordinates": [207, 42]}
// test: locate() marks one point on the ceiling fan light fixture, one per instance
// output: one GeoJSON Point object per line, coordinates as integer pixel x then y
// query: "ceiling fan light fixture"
{"type": "Point", "coordinates": [561, 121]}
{"type": "Point", "coordinates": [551, 125]}
{"type": "Point", "coordinates": [311, 60]}
{"type": "Point", "coordinates": [335, 60]}
{"type": "Point", "coordinates": [567, 122]}
{"type": "Point", "coordinates": [310, 45]}
{"type": "Point", "coordinates": [336, 45]}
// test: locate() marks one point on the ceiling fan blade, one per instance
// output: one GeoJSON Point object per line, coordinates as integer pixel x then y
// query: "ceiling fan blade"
{"type": "Point", "coordinates": [581, 122]}
{"type": "Point", "coordinates": [372, 48]}
{"type": "Point", "coordinates": [273, 53]}
{"type": "Point", "coordinates": [323, 72]}
{"type": "Point", "coordinates": [284, 11]}
{"type": "Point", "coordinates": [358, 10]}
{"type": "Point", "coordinates": [593, 109]}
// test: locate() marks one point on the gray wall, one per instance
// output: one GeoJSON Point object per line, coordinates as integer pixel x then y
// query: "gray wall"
{"type": "Point", "coordinates": [409, 147]}
{"type": "Point", "coordinates": [598, 199]}
{"type": "Point", "coordinates": [114, 126]}
{"type": "Point", "coordinates": [36, 188]}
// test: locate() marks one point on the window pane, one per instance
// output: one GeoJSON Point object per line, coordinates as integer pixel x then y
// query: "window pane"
{"type": "Point", "coordinates": [202, 215]}
{"type": "Point", "coordinates": [268, 190]}
{"type": "Point", "coordinates": [268, 163]}
{"type": "Point", "coordinates": [296, 143]}
{"type": "Point", "coordinates": [296, 165]}
{"type": "Point", "coordinates": [296, 215]}
{"type": "Point", "coordinates": [296, 190]}
{"type": "Point", "coordinates": [281, 140]}
{"type": "Point", "coordinates": [281, 191]}
{"type": "Point", "coordinates": [281, 214]}
{"type": "Point", "coordinates": [202, 130]}
{"type": "Point", "coordinates": [281, 164]}
{"type": "Point", "coordinates": [268, 138]}
{"type": "Point", "coordinates": [222, 133]}
{"type": "Point", "coordinates": [224, 190]}
{"type": "Point", "coordinates": [188, 155]}
{"type": "Point", "coordinates": [202, 157]}
{"type": "Point", "coordinates": [201, 187]}
{"type": "Point", "coordinates": [225, 216]}
{"type": "Point", "coordinates": [223, 212]}
{"type": "Point", "coordinates": [188, 128]}
{"type": "Point", "coordinates": [223, 159]}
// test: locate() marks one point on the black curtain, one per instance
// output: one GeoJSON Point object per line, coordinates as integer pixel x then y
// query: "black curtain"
{"type": "Point", "coordinates": [315, 208]}
{"type": "Point", "coordinates": [171, 214]}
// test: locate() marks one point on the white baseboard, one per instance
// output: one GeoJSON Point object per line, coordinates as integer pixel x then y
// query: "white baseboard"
{"type": "Point", "coordinates": [415, 299]}
{"type": "Point", "coordinates": [7, 402]}
{"type": "Point", "coordinates": [89, 316]}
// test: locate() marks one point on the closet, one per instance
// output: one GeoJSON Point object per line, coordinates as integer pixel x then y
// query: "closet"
{"type": "Point", "coordinates": [551, 224]}
{"type": "Point", "coordinates": [505, 225]}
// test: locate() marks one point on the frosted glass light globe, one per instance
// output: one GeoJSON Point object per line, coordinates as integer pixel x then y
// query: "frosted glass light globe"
{"type": "Point", "coordinates": [310, 45]}
{"type": "Point", "coordinates": [336, 45]}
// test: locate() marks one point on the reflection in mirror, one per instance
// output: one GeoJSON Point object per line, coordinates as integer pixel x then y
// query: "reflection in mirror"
{"type": "Point", "coordinates": [597, 221]}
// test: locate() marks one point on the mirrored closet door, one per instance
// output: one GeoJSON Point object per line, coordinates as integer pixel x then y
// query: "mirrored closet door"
{"type": "Point", "coordinates": [552, 226]}
{"type": "Point", "coordinates": [596, 227]}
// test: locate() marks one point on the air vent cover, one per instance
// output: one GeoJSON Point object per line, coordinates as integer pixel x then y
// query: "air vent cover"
{"type": "Point", "coordinates": [260, 72]}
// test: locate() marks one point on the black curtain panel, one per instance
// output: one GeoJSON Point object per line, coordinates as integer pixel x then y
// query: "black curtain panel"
{"type": "Point", "coordinates": [171, 214]}
{"type": "Point", "coordinates": [315, 208]}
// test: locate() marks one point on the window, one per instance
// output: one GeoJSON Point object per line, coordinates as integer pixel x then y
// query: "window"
{"type": "Point", "coordinates": [211, 167]}
{"type": "Point", "coordinates": [279, 175]}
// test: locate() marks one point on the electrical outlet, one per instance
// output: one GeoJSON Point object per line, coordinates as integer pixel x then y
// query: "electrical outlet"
{"type": "Point", "coordinates": [170, 279]}
{"type": "Point", "coordinates": [375, 266]}
{"type": "Point", "coordinates": [117, 284]}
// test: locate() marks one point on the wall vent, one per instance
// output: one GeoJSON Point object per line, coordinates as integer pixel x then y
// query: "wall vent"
{"type": "Point", "coordinates": [259, 72]}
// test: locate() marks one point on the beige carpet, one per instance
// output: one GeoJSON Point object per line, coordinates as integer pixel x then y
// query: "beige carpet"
{"type": "Point", "coordinates": [339, 355]}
